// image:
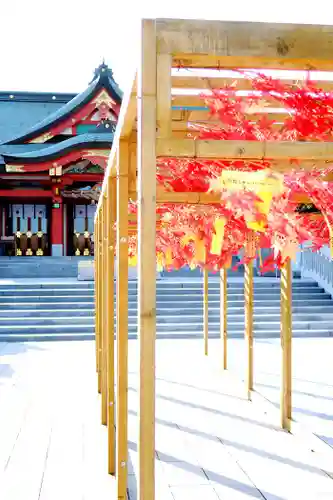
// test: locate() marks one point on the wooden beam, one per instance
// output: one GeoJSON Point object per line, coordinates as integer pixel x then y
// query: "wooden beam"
{"type": "Point", "coordinates": [246, 150]}
{"type": "Point", "coordinates": [196, 103]}
{"type": "Point", "coordinates": [99, 285]}
{"type": "Point", "coordinates": [104, 333]}
{"type": "Point", "coordinates": [130, 112]}
{"type": "Point", "coordinates": [147, 257]}
{"type": "Point", "coordinates": [248, 296]}
{"type": "Point", "coordinates": [109, 276]}
{"type": "Point", "coordinates": [164, 95]}
{"type": "Point", "coordinates": [241, 44]}
{"type": "Point", "coordinates": [191, 81]}
{"type": "Point", "coordinates": [97, 297]}
{"type": "Point", "coordinates": [286, 341]}
{"type": "Point", "coordinates": [124, 129]}
{"type": "Point", "coordinates": [193, 198]}
{"type": "Point", "coordinates": [181, 60]}
{"type": "Point", "coordinates": [122, 318]}
{"type": "Point", "coordinates": [205, 309]}
{"type": "Point", "coordinates": [192, 124]}
{"type": "Point", "coordinates": [224, 315]}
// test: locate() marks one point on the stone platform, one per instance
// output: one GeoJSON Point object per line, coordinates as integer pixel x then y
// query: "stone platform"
{"type": "Point", "coordinates": [211, 443]}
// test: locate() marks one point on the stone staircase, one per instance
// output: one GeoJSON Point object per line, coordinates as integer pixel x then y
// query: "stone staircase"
{"type": "Point", "coordinates": [39, 267]}
{"type": "Point", "coordinates": [64, 309]}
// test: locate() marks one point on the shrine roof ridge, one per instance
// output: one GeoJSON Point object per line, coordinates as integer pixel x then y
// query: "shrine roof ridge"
{"type": "Point", "coordinates": [26, 96]}
{"type": "Point", "coordinates": [103, 80]}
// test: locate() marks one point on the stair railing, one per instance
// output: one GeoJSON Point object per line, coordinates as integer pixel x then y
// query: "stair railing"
{"type": "Point", "coordinates": [319, 266]}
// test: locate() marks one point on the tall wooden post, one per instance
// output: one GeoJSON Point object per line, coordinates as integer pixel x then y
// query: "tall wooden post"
{"type": "Point", "coordinates": [122, 318]}
{"type": "Point", "coordinates": [146, 125]}
{"type": "Point", "coordinates": [111, 219]}
{"type": "Point", "coordinates": [248, 296]}
{"type": "Point", "coordinates": [98, 286]}
{"type": "Point", "coordinates": [96, 259]}
{"type": "Point", "coordinates": [205, 309]}
{"type": "Point", "coordinates": [286, 339]}
{"type": "Point", "coordinates": [330, 230]}
{"type": "Point", "coordinates": [104, 333]}
{"type": "Point", "coordinates": [224, 315]}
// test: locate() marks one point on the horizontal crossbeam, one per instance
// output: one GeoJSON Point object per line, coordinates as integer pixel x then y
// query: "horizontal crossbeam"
{"type": "Point", "coordinates": [197, 43]}
{"type": "Point", "coordinates": [245, 150]}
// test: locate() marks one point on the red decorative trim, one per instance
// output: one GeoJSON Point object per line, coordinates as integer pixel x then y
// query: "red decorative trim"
{"type": "Point", "coordinates": [82, 177]}
{"type": "Point", "coordinates": [25, 193]}
{"type": "Point", "coordinates": [75, 118]}
{"type": "Point", "coordinates": [60, 162]}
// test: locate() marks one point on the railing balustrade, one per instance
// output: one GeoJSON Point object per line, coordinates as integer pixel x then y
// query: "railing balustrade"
{"type": "Point", "coordinates": [319, 266]}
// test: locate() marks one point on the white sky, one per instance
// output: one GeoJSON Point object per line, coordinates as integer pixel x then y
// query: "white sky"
{"type": "Point", "coordinates": [54, 46]}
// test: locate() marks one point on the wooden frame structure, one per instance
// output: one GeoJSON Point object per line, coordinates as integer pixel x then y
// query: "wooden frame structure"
{"type": "Point", "coordinates": [152, 123]}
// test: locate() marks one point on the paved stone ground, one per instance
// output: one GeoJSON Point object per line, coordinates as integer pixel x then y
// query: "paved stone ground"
{"type": "Point", "coordinates": [312, 379]}
{"type": "Point", "coordinates": [210, 442]}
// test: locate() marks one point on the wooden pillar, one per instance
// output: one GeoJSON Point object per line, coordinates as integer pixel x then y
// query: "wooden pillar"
{"type": "Point", "coordinates": [100, 301]}
{"type": "Point", "coordinates": [248, 296]}
{"type": "Point", "coordinates": [122, 318]}
{"type": "Point", "coordinates": [286, 339]}
{"type": "Point", "coordinates": [104, 386]}
{"type": "Point", "coordinates": [330, 230]}
{"type": "Point", "coordinates": [224, 316]}
{"type": "Point", "coordinates": [205, 309]}
{"type": "Point", "coordinates": [146, 156]}
{"type": "Point", "coordinates": [331, 239]}
{"type": "Point", "coordinates": [57, 228]}
{"type": "Point", "coordinates": [111, 219]}
{"type": "Point", "coordinates": [97, 297]}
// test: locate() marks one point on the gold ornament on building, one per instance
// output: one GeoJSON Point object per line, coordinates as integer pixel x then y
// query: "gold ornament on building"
{"type": "Point", "coordinates": [18, 252]}
{"type": "Point", "coordinates": [28, 252]}
{"type": "Point", "coordinates": [77, 253]}
{"type": "Point", "coordinates": [39, 234]}
{"type": "Point", "coordinates": [29, 234]}
{"type": "Point", "coordinates": [86, 234]}
{"type": "Point", "coordinates": [18, 234]}
{"type": "Point", "coordinates": [39, 252]}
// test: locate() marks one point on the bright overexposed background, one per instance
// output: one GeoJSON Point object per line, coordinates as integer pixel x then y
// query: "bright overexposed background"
{"type": "Point", "coordinates": [54, 46]}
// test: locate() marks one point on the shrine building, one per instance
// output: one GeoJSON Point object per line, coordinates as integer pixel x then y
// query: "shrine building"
{"type": "Point", "coordinates": [53, 152]}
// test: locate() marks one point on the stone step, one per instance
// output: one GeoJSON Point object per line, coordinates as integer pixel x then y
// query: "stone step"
{"type": "Point", "coordinates": [195, 296]}
{"type": "Point", "coordinates": [164, 284]}
{"type": "Point", "coordinates": [87, 310]}
{"type": "Point", "coordinates": [40, 306]}
{"type": "Point", "coordinates": [34, 321]}
{"type": "Point", "coordinates": [44, 272]}
{"type": "Point", "coordinates": [239, 325]}
{"type": "Point", "coordinates": [160, 291]}
{"type": "Point", "coordinates": [46, 313]}
{"type": "Point", "coordinates": [80, 334]}
{"type": "Point", "coordinates": [168, 319]}
{"type": "Point", "coordinates": [47, 286]}
{"type": "Point", "coordinates": [192, 324]}
{"type": "Point", "coordinates": [47, 292]}
{"type": "Point", "coordinates": [87, 298]}
{"type": "Point", "coordinates": [67, 302]}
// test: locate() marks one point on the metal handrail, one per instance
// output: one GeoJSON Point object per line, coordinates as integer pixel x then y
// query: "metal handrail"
{"type": "Point", "coordinates": [318, 264]}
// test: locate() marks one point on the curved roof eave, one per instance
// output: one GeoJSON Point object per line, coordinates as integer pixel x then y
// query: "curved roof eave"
{"type": "Point", "coordinates": [78, 102]}
{"type": "Point", "coordinates": [52, 152]}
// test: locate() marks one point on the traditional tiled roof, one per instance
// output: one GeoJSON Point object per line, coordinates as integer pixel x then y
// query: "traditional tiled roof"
{"type": "Point", "coordinates": [103, 78]}
{"type": "Point", "coordinates": [23, 110]}
{"type": "Point", "coordinates": [52, 151]}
